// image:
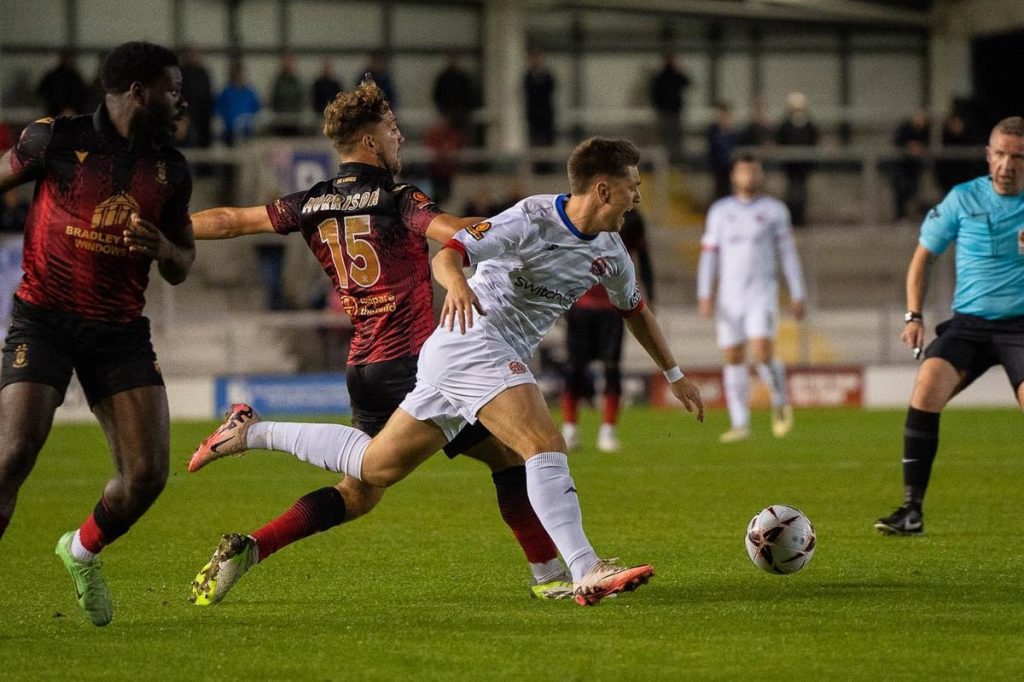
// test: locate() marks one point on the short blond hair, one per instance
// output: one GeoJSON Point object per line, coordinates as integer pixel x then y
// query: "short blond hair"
{"type": "Point", "coordinates": [350, 113]}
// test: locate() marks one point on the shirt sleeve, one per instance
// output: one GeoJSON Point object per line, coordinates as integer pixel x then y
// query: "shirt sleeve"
{"type": "Point", "coordinates": [621, 283]}
{"type": "Point", "coordinates": [504, 233]}
{"type": "Point", "coordinates": [176, 212]}
{"type": "Point", "coordinates": [415, 207]}
{"type": "Point", "coordinates": [788, 256]}
{"type": "Point", "coordinates": [285, 213]}
{"type": "Point", "coordinates": [941, 225]}
{"type": "Point", "coordinates": [29, 154]}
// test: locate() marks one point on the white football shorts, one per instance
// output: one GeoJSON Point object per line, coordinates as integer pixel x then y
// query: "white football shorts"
{"type": "Point", "coordinates": [756, 319]}
{"type": "Point", "coordinates": [458, 374]}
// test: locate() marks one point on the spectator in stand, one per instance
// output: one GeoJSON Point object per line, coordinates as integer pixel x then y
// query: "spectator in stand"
{"type": "Point", "coordinates": [325, 87]}
{"type": "Point", "coordinates": [539, 87]}
{"type": "Point", "coordinates": [722, 139]}
{"type": "Point", "coordinates": [951, 172]}
{"type": "Point", "coordinates": [758, 130]}
{"type": "Point", "coordinates": [197, 90]}
{"type": "Point", "coordinates": [667, 90]}
{"type": "Point", "coordinates": [237, 105]}
{"type": "Point", "coordinates": [797, 130]}
{"type": "Point", "coordinates": [444, 140]}
{"type": "Point", "coordinates": [286, 98]}
{"type": "Point", "coordinates": [379, 71]}
{"type": "Point", "coordinates": [912, 138]}
{"type": "Point", "coordinates": [13, 212]}
{"type": "Point", "coordinates": [456, 96]}
{"type": "Point", "coordinates": [62, 89]}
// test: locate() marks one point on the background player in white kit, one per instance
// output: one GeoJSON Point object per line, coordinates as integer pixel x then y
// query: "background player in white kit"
{"type": "Point", "coordinates": [533, 261]}
{"type": "Point", "coordinates": [748, 234]}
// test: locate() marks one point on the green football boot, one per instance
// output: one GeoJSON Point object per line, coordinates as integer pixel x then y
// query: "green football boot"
{"type": "Point", "coordinates": [90, 587]}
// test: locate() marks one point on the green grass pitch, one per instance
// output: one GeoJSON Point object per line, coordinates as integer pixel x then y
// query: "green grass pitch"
{"type": "Point", "coordinates": [432, 586]}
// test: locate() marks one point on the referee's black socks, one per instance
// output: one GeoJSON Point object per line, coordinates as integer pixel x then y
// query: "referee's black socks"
{"type": "Point", "coordinates": [920, 443]}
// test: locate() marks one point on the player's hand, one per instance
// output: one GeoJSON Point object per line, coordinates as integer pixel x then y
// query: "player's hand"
{"type": "Point", "coordinates": [143, 237]}
{"type": "Point", "coordinates": [706, 308]}
{"type": "Point", "coordinates": [689, 396]}
{"type": "Point", "coordinates": [913, 335]}
{"type": "Point", "coordinates": [797, 309]}
{"type": "Point", "coordinates": [459, 303]}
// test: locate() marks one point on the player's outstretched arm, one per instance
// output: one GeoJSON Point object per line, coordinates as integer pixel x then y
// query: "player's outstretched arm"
{"type": "Point", "coordinates": [444, 226]}
{"type": "Point", "coordinates": [225, 223]}
{"type": "Point", "coordinates": [460, 300]}
{"type": "Point", "coordinates": [645, 329]}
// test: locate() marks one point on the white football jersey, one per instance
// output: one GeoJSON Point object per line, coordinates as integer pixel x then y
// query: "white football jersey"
{"type": "Point", "coordinates": [749, 238]}
{"type": "Point", "coordinates": [532, 265]}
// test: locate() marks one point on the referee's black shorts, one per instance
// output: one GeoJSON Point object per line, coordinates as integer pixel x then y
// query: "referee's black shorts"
{"type": "Point", "coordinates": [44, 346]}
{"type": "Point", "coordinates": [377, 389]}
{"type": "Point", "coordinates": [973, 344]}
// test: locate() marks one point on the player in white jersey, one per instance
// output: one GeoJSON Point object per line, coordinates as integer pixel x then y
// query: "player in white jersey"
{"type": "Point", "coordinates": [533, 261]}
{"type": "Point", "coordinates": [747, 235]}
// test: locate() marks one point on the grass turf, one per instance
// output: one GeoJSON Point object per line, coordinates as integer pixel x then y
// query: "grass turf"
{"type": "Point", "coordinates": [432, 586]}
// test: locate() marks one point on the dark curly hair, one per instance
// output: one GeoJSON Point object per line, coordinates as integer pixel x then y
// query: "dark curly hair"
{"type": "Point", "coordinates": [351, 112]}
{"type": "Point", "coordinates": [135, 62]}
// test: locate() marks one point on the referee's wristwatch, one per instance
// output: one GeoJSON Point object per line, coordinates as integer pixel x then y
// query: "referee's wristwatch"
{"type": "Point", "coordinates": [912, 316]}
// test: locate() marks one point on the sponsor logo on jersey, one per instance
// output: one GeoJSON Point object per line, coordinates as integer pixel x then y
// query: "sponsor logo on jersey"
{"type": "Point", "coordinates": [342, 202]}
{"type": "Point", "coordinates": [81, 154]}
{"type": "Point", "coordinates": [345, 180]}
{"type": "Point", "coordinates": [478, 231]}
{"type": "Point", "coordinates": [542, 291]}
{"type": "Point", "coordinates": [634, 299]}
{"type": "Point", "coordinates": [599, 267]}
{"type": "Point", "coordinates": [550, 247]}
{"type": "Point", "coordinates": [109, 218]}
{"type": "Point", "coordinates": [934, 213]}
{"type": "Point", "coordinates": [350, 305]}
{"type": "Point", "coordinates": [516, 367]}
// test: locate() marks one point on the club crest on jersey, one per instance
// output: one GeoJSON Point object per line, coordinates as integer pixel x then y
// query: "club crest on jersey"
{"type": "Point", "coordinates": [599, 268]}
{"type": "Point", "coordinates": [350, 305]}
{"type": "Point", "coordinates": [516, 367]}
{"type": "Point", "coordinates": [477, 231]}
{"type": "Point", "coordinates": [421, 199]}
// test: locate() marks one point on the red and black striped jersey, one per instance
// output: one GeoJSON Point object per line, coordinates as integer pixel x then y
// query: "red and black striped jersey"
{"type": "Point", "coordinates": [89, 181]}
{"type": "Point", "coordinates": [369, 235]}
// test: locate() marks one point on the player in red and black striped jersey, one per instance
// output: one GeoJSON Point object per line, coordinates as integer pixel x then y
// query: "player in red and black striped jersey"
{"type": "Point", "coordinates": [111, 197]}
{"type": "Point", "coordinates": [369, 234]}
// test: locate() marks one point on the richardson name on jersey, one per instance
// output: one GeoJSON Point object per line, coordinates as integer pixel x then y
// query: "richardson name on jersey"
{"type": "Point", "coordinates": [342, 202]}
{"type": "Point", "coordinates": [542, 291]}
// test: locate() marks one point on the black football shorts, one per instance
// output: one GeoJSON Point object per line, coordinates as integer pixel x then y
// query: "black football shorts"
{"type": "Point", "coordinates": [377, 389]}
{"type": "Point", "coordinates": [973, 344]}
{"type": "Point", "coordinates": [45, 345]}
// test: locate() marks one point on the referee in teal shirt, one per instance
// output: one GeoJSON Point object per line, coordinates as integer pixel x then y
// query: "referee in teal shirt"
{"type": "Point", "coordinates": [985, 217]}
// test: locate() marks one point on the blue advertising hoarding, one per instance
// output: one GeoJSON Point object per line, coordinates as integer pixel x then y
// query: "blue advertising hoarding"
{"type": "Point", "coordinates": [284, 394]}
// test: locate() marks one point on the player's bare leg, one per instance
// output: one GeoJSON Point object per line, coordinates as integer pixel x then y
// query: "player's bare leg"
{"type": "Point", "coordinates": [736, 381]}
{"type": "Point", "coordinates": [773, 374]}
{"type": "Point", "coordinates": [937, 381]}
{"type": "Point", "coordinates": [519, 417]}
{"type": "Point", "coordinates": [26, 416]}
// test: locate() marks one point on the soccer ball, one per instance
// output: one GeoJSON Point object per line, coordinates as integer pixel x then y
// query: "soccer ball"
{"type": "Point", "coordinates": [780, 539]}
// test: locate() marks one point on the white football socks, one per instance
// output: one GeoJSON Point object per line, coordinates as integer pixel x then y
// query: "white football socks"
{"type": "Point", "coordinates": [550, 570]}
{"type": "Point", "coordinates": [553, 496]}
{"type": "Point", "coordinates": [773, 373]}
{"type": "Point", "coordinates": [333, 447]}
{"type": "Point", "coordinates": [79, 551]}
{"type": "Point", "coordinates": [737, 394]}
